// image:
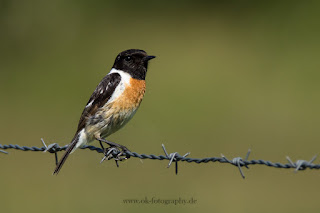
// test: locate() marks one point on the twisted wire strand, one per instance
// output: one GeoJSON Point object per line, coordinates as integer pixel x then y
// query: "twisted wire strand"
{"type": "Point", "coordinates": [175, 157]}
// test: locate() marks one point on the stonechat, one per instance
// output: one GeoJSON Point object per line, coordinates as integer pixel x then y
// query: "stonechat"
{"type": "Point", "coordinates": [113, 103]}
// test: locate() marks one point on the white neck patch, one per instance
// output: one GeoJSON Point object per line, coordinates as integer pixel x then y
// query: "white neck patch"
{"type": "Point", "coordinates": [125, 77]}
{"type": "Point", "coordinates": [124, 82]}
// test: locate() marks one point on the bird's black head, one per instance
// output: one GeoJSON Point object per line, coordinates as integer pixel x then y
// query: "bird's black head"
{"type": "Point", "coordinates": [134, 62]}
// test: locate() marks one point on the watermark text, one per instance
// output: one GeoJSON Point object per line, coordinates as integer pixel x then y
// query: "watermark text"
{"type": "Point", "coordinates": [161, 201]}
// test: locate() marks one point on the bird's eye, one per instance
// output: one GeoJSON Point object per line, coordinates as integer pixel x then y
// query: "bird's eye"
{"type": "Point", "coordinates": [128, 58]}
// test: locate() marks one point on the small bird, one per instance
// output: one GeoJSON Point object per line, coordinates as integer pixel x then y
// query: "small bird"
{"type": "Point", "coordinates": [113, 103]}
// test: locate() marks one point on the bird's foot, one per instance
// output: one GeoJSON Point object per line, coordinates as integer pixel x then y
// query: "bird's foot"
{"type": "Point", "coordinates": [116, 151]}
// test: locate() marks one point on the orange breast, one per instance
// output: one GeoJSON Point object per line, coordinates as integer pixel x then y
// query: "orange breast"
{"type": "Point", "coordinates": [132, 96]}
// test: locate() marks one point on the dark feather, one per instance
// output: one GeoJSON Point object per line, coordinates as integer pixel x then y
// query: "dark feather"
{"type": "Point", "coordinates": [98, 98]}
{"type": "Point", "coordinates": [66, 154]}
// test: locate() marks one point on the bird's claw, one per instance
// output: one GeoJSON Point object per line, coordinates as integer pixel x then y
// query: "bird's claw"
{"type": "Point", "coordinates": [116, 153]}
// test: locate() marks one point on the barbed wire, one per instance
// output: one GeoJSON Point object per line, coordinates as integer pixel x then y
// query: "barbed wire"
{"type": "Point", "coordinates": [115, 153]}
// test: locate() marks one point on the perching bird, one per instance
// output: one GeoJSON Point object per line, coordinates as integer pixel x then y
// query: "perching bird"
{"type": "Point", "coordinates": [113, 103]}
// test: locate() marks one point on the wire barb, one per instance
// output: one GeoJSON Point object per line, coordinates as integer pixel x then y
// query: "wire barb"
{"type": "Point", "coordinates": [3, 152]}
{"type": "Point", "coordinates": [173, 157]}
{"type": "Point", "coordinates": [52, 148]}
{"type": "Point", "coordinates": [237, 161]}
{"type": "Point", "coordinates": [301, 164]}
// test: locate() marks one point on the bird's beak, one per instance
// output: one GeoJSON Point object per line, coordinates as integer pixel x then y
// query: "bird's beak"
{"type": "Point", "coordinates": [150, 57]}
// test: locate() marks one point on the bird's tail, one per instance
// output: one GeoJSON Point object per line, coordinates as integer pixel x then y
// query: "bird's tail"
{"type": "Point", "coordinates": [66, 154]}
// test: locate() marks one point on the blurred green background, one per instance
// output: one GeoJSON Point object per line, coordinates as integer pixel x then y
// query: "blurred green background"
{"type": "Point", "coordinates": [229, 75]}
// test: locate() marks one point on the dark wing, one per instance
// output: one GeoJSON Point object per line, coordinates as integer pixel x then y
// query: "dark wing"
{"type": "Point", "coordinates": [99, 97]}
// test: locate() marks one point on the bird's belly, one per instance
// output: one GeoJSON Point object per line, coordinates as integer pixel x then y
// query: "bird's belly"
{"type": "Point", "coordinates": [116, 121]}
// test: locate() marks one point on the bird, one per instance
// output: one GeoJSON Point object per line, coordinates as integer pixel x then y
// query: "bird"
{"type": "Point", "coordinates": [113, 103]}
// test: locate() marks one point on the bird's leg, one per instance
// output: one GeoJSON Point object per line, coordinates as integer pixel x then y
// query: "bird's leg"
{"type": "Point", "coordinates": [113, 144]}
{"type": "Point", "coordinates": [102, 147]}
